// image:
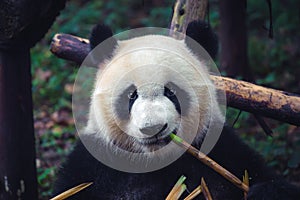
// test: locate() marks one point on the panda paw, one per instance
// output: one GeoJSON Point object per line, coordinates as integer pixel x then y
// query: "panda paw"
{"type": "Point", "coordinates": [273, 190]}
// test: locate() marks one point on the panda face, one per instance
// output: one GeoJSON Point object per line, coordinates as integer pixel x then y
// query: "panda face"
{"type": "Point", "coordinates": [150, 109]}
{"type": "Point", "coordinates": [153, 86]}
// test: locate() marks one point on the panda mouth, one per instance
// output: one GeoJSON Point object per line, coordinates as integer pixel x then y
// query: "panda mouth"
{"type": "Point", "coordinates": [158, 139]}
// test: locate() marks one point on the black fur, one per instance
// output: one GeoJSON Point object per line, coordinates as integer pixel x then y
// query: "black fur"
{"type": "Point", "coordinates": [99, 34]}
{"type": "Point", "coordinates": [229, 151]}
{"type": "Point", "coordinates": [202, 33]}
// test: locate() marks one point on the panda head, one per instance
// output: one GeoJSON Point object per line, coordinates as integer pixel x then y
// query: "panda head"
{"type": "Point", "coordinates": [147, 88]}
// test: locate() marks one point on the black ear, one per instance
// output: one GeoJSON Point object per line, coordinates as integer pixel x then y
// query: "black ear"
{"type": "Point", "coordinates": [99, 34]}
{"type": "Point", "coordinates": [201, 32]}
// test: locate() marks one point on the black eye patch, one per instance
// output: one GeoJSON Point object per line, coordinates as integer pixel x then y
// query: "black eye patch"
{"type": "Point", "coordinates": [124, 102]}
{"type": "Point", "coordinates": [171, 94]}
{"type": "Point", "coordinates": [178, 96]}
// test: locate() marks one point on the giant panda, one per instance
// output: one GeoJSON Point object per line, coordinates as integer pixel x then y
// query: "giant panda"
{"type": "Point", "coordinates": [137, 112]}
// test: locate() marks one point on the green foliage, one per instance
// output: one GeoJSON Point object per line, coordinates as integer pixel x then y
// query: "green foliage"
{"type": "Point", "coordinates": [234, 118]}
{"type": "Point", "coordinates": [43, 180]}
{"type": "Point", "coordinates": [53, 144]}
{"type": "Point", "coordinates": [275, 59]}
{"type": "Point", "coordinates": [276, 150]}
{"type": "Point", "coordinates": [159, 17]}
{"type": "Point", "coordinates": [275, 63]}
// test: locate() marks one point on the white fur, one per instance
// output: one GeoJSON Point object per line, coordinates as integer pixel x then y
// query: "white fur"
{"type": "Point", "coordinates": [150, 62]}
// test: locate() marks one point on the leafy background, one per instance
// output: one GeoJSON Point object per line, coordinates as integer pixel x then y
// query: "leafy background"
{"type": "Point", "coordinates": [275, 63]}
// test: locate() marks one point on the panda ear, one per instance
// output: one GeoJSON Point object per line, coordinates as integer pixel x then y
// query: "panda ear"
{"type": "Point", "coordinates": [202, 33]}
{"type": "Point", "coordinates": [99, 34]}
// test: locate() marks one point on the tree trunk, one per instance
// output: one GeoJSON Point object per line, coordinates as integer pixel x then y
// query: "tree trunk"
{"type": "Point", "coordinates": [233, 38]}
{"type": "Point", "coordinates": [17, 148]}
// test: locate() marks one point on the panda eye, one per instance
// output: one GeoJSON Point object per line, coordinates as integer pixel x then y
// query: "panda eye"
{"type": "Point", "coordinates": [169, 92]}
{"type": "Point", "coordinates": [133, 95]}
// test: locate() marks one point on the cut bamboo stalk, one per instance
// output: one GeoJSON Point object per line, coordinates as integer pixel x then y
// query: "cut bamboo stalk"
{"type": "Point", "coordinates": [72, 191]}
{"type": "Point", "coordinates": [209, 162]}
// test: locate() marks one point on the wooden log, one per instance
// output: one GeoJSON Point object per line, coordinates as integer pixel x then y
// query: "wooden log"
{"type": "Point", "coordinates": [275, 104]}
{"type": "Point", "coordinates": [70, 47]}
{"type": "Point", "coordinates": [267, 102]}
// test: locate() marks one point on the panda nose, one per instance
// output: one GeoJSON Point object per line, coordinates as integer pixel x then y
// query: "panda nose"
{"type": "Point", "coordinates": [154, 129]}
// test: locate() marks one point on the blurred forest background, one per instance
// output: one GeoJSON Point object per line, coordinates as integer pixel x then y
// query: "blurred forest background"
{"type": "Point", "coordinates": [274, 63]}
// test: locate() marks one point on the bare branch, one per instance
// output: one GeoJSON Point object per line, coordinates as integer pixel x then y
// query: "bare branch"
{"type": "Point", "coordinates": [271, 103]}
{"type": "Point", "coordinates": [70, 47]}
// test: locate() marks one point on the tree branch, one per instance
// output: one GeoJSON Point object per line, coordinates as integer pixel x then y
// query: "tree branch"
{"type": "Point", "coordinates": [70, 47]}
{"type": "Point", "coordinates": [242, 95]}
{"type": "Point", "coordinates": [267, 102]}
